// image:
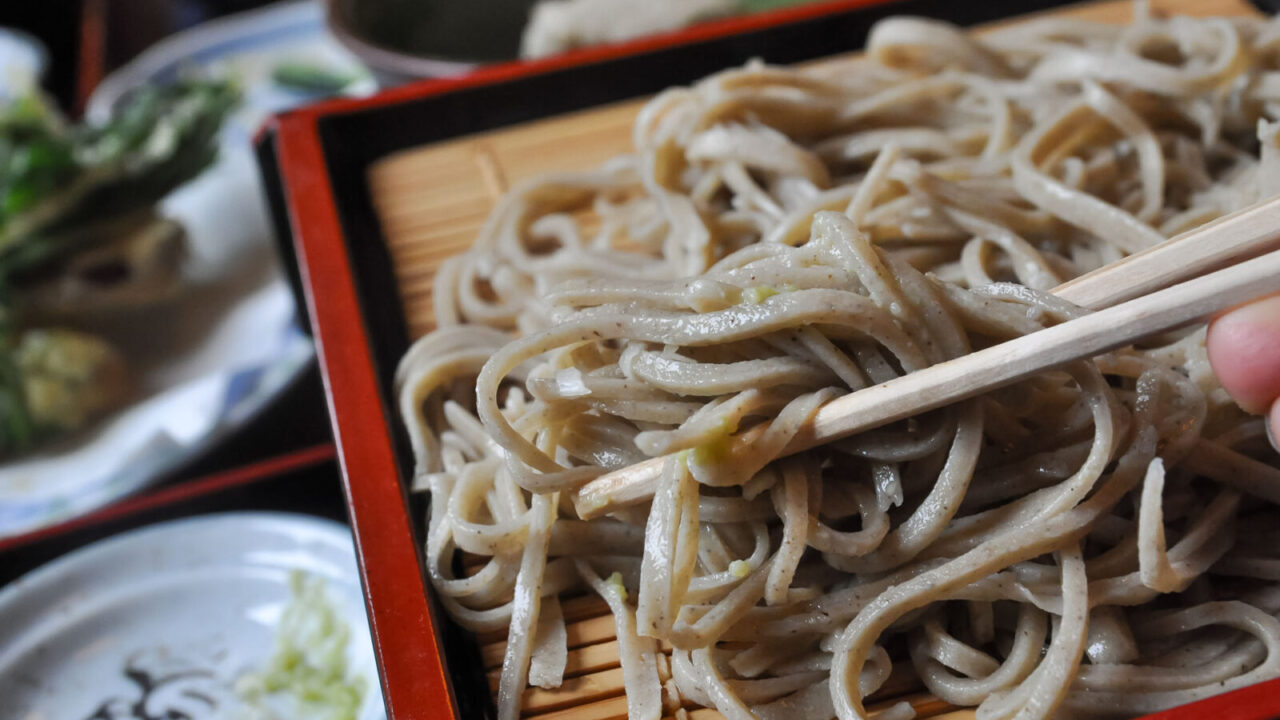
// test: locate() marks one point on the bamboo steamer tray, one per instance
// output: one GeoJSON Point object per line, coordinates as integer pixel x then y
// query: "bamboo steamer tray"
{"type": "Point", "coordinates": [369, 244]}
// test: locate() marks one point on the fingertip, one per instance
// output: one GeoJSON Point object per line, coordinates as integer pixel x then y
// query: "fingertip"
{"type": "Point", "coordinates": [1273, 426]}
{"type": "Point", "coordinates": [1244, 349]}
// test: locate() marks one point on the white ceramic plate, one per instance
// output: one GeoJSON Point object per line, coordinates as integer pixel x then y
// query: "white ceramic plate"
{"type": "Point", "coordinates": [159, 622]}
{"type": "Point", "coordinates": [219, 354]}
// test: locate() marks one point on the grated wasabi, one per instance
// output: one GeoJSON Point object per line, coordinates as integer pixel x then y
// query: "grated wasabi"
{"type": "Point", "coordinates": [307, 674]}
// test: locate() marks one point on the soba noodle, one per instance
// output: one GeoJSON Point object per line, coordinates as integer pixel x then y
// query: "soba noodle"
{"type": "Point", "coordinates": [782, 236]}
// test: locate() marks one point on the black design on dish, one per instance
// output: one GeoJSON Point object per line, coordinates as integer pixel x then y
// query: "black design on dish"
{"type": "Point", "coordinates": [167, 689]}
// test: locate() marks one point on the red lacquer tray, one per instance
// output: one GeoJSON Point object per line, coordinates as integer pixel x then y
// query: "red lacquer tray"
{"type": "Point", "coordinates": [316, 162]}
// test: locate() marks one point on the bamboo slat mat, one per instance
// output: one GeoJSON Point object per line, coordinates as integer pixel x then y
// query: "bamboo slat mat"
{"type": "Point", "coordinates": [432, 201]}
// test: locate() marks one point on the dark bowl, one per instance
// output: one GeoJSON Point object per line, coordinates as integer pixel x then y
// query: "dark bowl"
{"type": "Point", "coordinates": [402, 40]}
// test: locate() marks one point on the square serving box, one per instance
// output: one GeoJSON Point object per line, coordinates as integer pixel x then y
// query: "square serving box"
{"type": "Point", "coordinates": [362, 263]}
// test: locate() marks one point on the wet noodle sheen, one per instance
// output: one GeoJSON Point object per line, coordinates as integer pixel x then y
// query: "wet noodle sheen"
{"type": "Point", "coordinates": [780, 237]}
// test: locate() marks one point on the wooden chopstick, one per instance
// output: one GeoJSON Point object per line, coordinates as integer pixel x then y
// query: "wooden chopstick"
{"type": "Point", "coordinates": [1217, 244]}
{"type": "Point", "coordinates": [1236, 238]}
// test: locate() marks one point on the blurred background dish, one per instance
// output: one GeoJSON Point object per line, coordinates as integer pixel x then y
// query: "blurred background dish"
{"type": "Point", "coordinates": [401, 40]}
{"type": "Point", "coordinates": [208, 335]}
{"type": "Point", "coordinates": [185, 619]}
{"type": "Point", "coordinates": [227, 343]}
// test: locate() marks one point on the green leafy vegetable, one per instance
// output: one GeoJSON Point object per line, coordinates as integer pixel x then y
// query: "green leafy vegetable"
{"type": "Point", "coordinates": [17, 431]}
{"type": "Point", "coordinates": [311, 79]}
{"type": "Point", "coordinates": [36, 156]}
{"type": "Point", "coordinates": [761, 5]}
{"type": "Point", "coordinates": [53, 178]}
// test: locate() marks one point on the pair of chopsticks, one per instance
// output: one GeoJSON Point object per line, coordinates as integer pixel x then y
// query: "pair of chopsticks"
{"type": "Point", "coordinates": [1185, 279]}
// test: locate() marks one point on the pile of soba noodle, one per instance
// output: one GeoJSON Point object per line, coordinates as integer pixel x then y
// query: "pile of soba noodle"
{"type": "Point", "coordinates": [1076, 544]}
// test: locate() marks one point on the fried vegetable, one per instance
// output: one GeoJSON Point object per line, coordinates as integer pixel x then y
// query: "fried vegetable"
{"type": "Point", "coordinates": [132, 262]}
{"type": "Point", "coordinates": [69, 378]}
{"type": "Point", "coordinates": [67, 191]}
